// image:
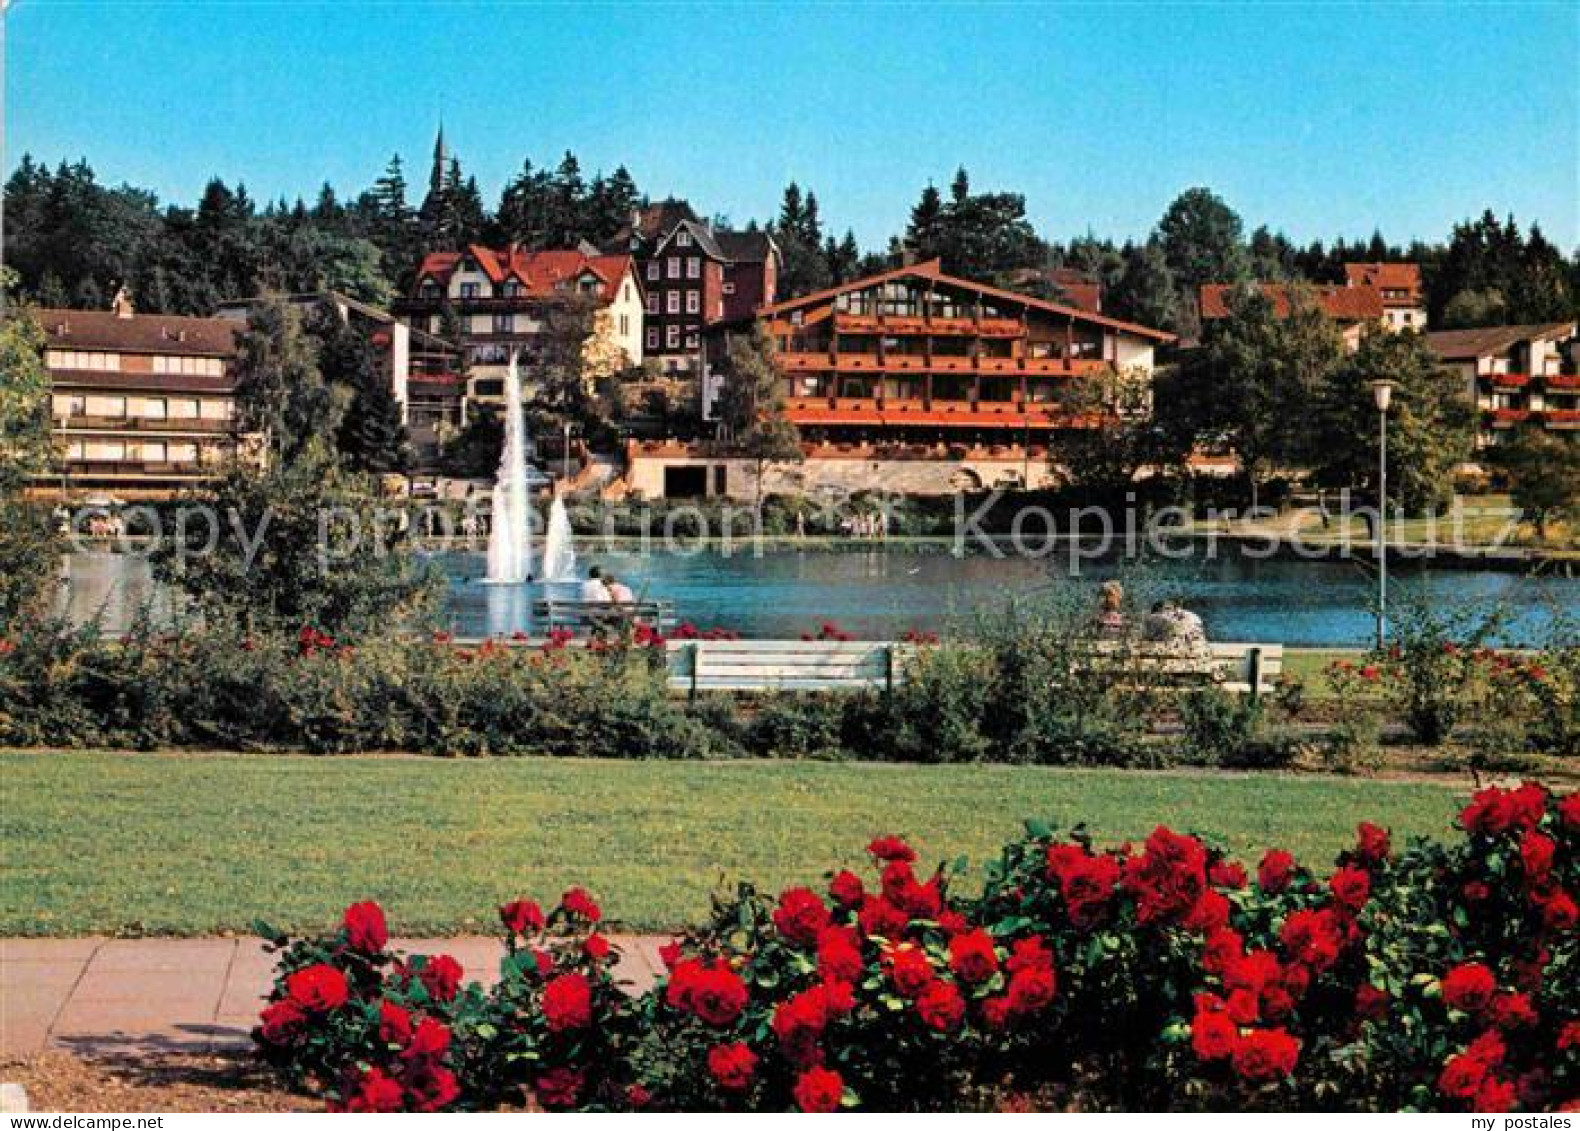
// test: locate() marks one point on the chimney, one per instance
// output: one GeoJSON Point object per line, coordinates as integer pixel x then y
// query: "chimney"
{"type": "Point", "coordinates": [121, 304]}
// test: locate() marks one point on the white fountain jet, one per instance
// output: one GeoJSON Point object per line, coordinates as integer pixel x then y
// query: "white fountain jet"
{"type": "Point", "coordinates": [510, 531]}
{"type": "Point", "coordinates": [559, 554]}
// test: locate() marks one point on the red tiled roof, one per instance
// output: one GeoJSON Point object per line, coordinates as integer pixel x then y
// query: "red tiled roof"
{"type": "Point", "coordinates": [1342, 304]}
{"type": "Point", "coordinates": [1388, 276]}
{"type": "Point", "coordinates": [540, 272]}
{"type": "Point", "coordinates": [141, 333]}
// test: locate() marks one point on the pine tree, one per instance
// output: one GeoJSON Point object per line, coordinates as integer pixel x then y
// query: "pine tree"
{"type": "Point", "coordinates": [371, 437]}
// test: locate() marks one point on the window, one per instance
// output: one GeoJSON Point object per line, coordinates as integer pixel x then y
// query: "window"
{"type": "Point", "coordinates": [672, 337]}
{"type": "Point", "coordinates": [673, 303]}
{"type": "Point", "coordinates": [469, 290]}
{"type": "Point", "coordinates": [693, 267]}
{"type": "Point", "coordinates": [625, 324]}
{"type": "Point", "coordinates": [652, 337]}
{"type": "Point", "coordinates": [513, 289]}
{"type": "Point", "coordinates": [155, 408]}
{"type": "Point", "coordinates": [729, 288]}
{"type": "Point", "coordinates": [430, 289]}
{"type": "Point", "coordinates": [683, 239]}
{"type": "Point", "coordinates": [691, 340]}
{"type": "Point", "coordinates": [693, 302]}
{"type": "Point", "coordinates": [652, 270]}
{"type": "Point", "coordinates": [504, 323]}
{"type": "Point", "coordinates": [652, 302]}
{"type": "Point", "coordinates": [674, 268]}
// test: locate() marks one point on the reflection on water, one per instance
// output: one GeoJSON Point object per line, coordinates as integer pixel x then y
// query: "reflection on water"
{"type": "Point", "coordinates": [880, 593]}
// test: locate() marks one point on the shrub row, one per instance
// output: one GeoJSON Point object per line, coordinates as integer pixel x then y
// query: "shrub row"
{"type": "Point", "coordinates": [1159, 976]}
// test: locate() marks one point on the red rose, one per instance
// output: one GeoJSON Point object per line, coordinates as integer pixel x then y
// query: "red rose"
{"type": "Point", "coordinates": [558, 1088]}
{"type": "Point", "coordinates": [1495, 1095]}
{"type": "Point", "coordinates": [732, 1066]}
{"type": "Point", "coordinates": [567, 1003]}
{"type": "Point", "coordinates": [839, 954]}
{"type": "Point", "coordinates": [366, 929]}
{"type": "Point", "coordinates": [1512, 1011]}
{"type": "Point", "coordinates": [522, 917]}
{"type": "Point", "coordinates": [941, 1007]}
{"type": "Point", "coordinates": [798, 1024]}
{"type": "Point", "coordinates": [281, 1022]}
{"type": "Point", "coordinates": [819, 1090]}
{"type": "Point", "coordinates": [800, 916]}
{"type": "Point", "coordinates": [1559, 912]}
{"type": "Point", "coordinates": [441, 977]}
{"type": "Point", "coordinates": [846, 889]}
{"type": "Point", "coordinates": [1312, 938]}
{"type": "Point", "coordinates": [1212, 1035]}
{"type": "Point", "coordinates": [318, 989]}
{"type": "Point", "coordinates": [1371, 1004]}
{"type": "Point", "coordinates": [1228, 874]}
{"type": "Point", "coordinates": [1220, 949]}
{"type": "Point", "coordinates": [1264, 1054]}
{"type": "Point", "coordinates": [595, 947]}
{"type": "Point", "coordinates": [881, 919]}
{"type": "Point", "coordinates": [394, 1024]}
{"type": "Point", "coordinates": [1469, 987]}
{"type": "Point", "coordinates": [1536, 857]}
{"type": "Point", "coordinates": [972, 956]}
{"type": "Point", "coordinates": [638, 1096]}
{"type": "Point", "coordinates": [995, 1012]}
{"type": "Point", "coordinates": [1461, 1077]}
{"type": "Point", "coordinates": [711, 991]}
{"type": "Point", "coordinates": [1351, 887]}
{"type": "Point", "coordinates": [1210, 913]}
{"type": "Point", "coordinates": [909, 969]}
{"type": "Point", "coordinates": [1275, 871]}
{"type": "Point", "coordinates": [1493, 811]}
{"type": "Point", "coordinates": [431, 1087]}
{"type": "Point", "coordinates": [1029, 953]}
{"type": "Point", "coordinates": [1569, 811]}
{"type": "Point", "coordinates": [376, 1092]}
{"type": "Point", "coordinates": [1372, 843]}
{"type": "Point", "coordinates": [1168, 878]}
{"type": "Point", "coordinates": [1244, 1007]}
{"type": "Point", "coordinates": [429, 1040]}
{"type": "Point", "coordinates": [580, 905]}
{"type": "Point", "coordinates": [1031, 989]}
{"type": "Point", "coordinates": [901, 888]}
{"type": "Point", "coordinates": [891, 848]}
{"type": "Point", "coordinates": [669, 954]}
{"type": "Point", "coordinates": [1569, 1036]}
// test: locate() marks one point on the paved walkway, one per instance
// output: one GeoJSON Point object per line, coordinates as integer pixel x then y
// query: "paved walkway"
{"type": "Point", "coordinates": [116, 996]}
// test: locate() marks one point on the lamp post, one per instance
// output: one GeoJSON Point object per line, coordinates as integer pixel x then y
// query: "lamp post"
{"type": "Point", "coordinates": [1382, 395]}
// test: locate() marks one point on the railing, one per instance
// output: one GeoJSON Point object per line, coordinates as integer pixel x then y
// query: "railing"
{"type": "Point", "coordinates": [821, 362]}
{"type": "Point", "coordinates": [135, 467]}
{"type": "Point", "coordinates": [1562, 418]}
{"type": "Point", "coordinates": [1508, 415]}
{"type": "Point", "coordinates": [1510, 380]}
{"type": "Point", "coordinates": [1562, 380]}
{"type": "Point", "coordinates": [144, 424]}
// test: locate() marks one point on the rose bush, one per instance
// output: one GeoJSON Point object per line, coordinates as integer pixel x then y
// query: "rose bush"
{"type": "Point", "coordinates": [1159, 975]}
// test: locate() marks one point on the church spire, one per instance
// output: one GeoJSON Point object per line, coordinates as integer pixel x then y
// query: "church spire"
{"type": "Point", "coordinates": [441, 161]}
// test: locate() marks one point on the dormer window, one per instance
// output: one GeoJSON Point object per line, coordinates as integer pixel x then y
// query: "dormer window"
{"type": "Point", "coordinates": [430, 289]}
{"type": "Point", "coordinates": [513, 289]}
{"type": "Point", "coordinates": [683, 239]}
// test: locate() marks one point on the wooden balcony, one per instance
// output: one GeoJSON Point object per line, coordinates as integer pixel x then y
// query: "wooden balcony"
{"type": "Point", "coordinates": [1562, 380]}
{"type": "Point", "coordinates": [937, 413]}
{"type": "Point", "coordinates": [1562, 418]}
{"type": "Point", "coordinates": [847, 322]}
{"type": "Point", "coordinates": [171, 425]}
{"type": "Point", "coordinates": [1507, 417]}
{"type": "Point", "coordinates": [821, 362]}
{"type": "Point", "coordinates": [136, 468]}
{"type": "Point", "coordinates": [1509, 380]}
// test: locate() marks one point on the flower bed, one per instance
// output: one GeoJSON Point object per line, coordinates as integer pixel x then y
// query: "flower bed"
{"type": "Point", "coordinates": [1443, 977]}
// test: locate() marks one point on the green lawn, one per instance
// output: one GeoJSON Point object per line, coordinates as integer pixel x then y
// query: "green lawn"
{"type": "Point", "coordinates": [174, 843]}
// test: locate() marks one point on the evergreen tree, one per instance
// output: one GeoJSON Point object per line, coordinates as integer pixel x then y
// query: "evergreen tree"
{"type": "Point", "coordinates": [1202, 240]}
{"type": "Point", "coordinates": [1145, 291]}
{"type": "Point", "coordinates": [751, 408]}
{"type": "Point", "coordinates": [799, 234]}
{"type": "Point", "coordinates": [29, 549]}
{"type": "Point", "coordinates": [371, 437]}
{"type": "Point", "coordinates": [281, 393]}
{"type": "Point", "coordinates": [925, 233]}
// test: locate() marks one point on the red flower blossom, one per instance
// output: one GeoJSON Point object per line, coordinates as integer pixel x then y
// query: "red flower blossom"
{"type": "Point", "coordinates": [1536, 857]}
{"type": "Point", "coordinates": [1371, 1004]}
{"type": "Point", "coordinates": [395, 1026]}
{"type": "Point", "coordinates": [430, 1087]}
{"type": "Point", "coordinates": [800, 916]}
{"type": "Point", "coordinates": [1221, 948]}
{"type": "Point", "coordinates": [1264, 1054]}
{"type": "Point", "coordinates": [1212, 1035]}
{"type": "Point", "coordinates": [559, 1088]}
{"type": "Point", "coordinates": [1228, 874]}
{"type": "Point", "coordinates": [1469, 987]}
{"type": "Point", "coordinates": [1461, 1077]}
{"type": "Point", "coordinates": [798, 1024]}
{"type": "Point", "coordinates": [317, 989]}
{"type": "Point", "coordinates": [1372, 843]}
{"type": "Point", "coordinates": [881, 919]}
{"type": "Point", "coordinates": [1493, 811]}
{"type": "Point", "coordinates": [846, 889]}
{"type": "Point", "coordinates": [1275, 871]}
{"type": "Point", "coordinates": [596, 947]}
{"type": "Point", "coordinates": [429, 1040]}
{"type": "Point", "coordinates": [819, 1090]}
{"type": "Point", "coordinates": [376, 1092]}
{"type": "Point", "coordinates": [1569, 811]}
{"type": "Point", "coordinates": [669, 954]}
{"type": "Point", "coordinates": [1086, 882]}
{"type": "Point", "coordinates": [1167, 878]}
{"type": "Point", "coordinates": [366, 929]}
{"type": "Point", "coordinates": [732, 1066]}
{"type": "Point", "coordinates": [1559, 912]}
{"type": "Point", "coordinates": [972, 956]}
{"type": "Point", "coordinates": [909, 969]}
{"type": "Point", "coordinates": [567, 1003]}
{"type": "Point", "coordinates": [941, 1007]}
{"type": "Point", "coordinates": [522, 917]}
{"type": "Point", "coordinates": [839, 955]}
{"type": "Point", "coordinates": [1351, 887]}
{"type": "Point", "coordinates": [890, 849]}
{"type": "Point", "coordinates": [1029, 953]}
{"type": "Point", "coordinates": [281, 1022]}
{"type": "Point", "coordinates": [1512, 1011]}
{"type": "Point", "coordinates": [1495, 1095]}
{"type": "Point", "coordinates": [579, 904]}
{"type": "Point", "coordinates": [711, 991]}
{"type": "Point", "coordinates": [441, 977]}
{"type": "Point", "coordinates": [1031, 989]}
{"type": "Point", "coordinates": [1312, 938]}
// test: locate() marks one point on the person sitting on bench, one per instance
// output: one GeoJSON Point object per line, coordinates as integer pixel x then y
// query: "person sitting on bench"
{"type": "Point", "coordinates": [594, 589]}
{"type": "Point", "coordinates": [1178, 628]}
{"type": "Point", "coordinates": [619, 592]}
{"type": "Point", "coordinates": [1110, 620]}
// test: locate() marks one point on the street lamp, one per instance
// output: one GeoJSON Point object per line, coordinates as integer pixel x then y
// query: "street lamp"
{"type": "Point", "coordinates": [1382, 395]}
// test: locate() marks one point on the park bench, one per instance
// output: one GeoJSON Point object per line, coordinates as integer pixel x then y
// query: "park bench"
{"type": "Point", "coordinates": [1245, 669]}
{"type": "Point", "coordinates": [785, 665]}
{"type": "Point", "coordinates": [587, 616]}
{"type": "Point", "coordinates": [839, 665]}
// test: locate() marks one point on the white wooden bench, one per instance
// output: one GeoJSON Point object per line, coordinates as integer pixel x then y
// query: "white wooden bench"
{"type": "Point", "coordinates": [838, 665]}
{"type": "Point", "coordinates": [785, 665]}
{"type": "Point", "coordinates": [583, 616]}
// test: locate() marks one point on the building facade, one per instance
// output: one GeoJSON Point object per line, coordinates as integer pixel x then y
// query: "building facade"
{"type": "Point", "coordinates": [1353, 309]}
{"type": "Point", "coordinates": [498, 301]}
{"type": "Point", "coordinates": [143, 405]}
{"type": "Point", "coordinates": [1519, 376]}
{"type": "Point", "coordinates": [1399, 287]}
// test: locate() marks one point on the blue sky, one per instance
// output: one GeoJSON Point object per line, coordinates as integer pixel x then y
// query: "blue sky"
{"type": "Point", "coordinates": [1319, 119]}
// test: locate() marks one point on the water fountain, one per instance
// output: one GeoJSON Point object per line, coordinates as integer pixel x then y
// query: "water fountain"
{"type": "Point", "coordinates": [510, 529]}
{"type": "Point", "coordinates": [559, 555]}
